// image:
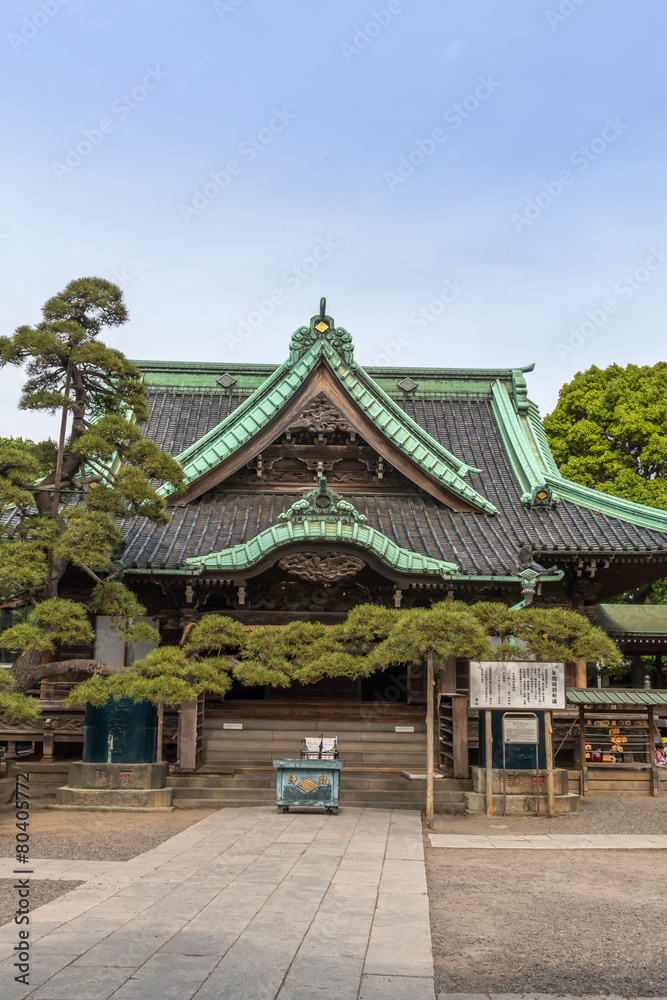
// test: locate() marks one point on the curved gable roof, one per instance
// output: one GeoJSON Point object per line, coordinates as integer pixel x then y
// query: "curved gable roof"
{"type": "Point", "coordinates": [321, 361]}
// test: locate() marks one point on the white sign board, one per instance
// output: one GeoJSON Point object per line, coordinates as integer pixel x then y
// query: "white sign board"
{"type": "Point", "coordinates": [517, 684]}
{"type": "Point", "coordinates": [524, 730]}
{"type": "Point", "coordinates": [109, 646]}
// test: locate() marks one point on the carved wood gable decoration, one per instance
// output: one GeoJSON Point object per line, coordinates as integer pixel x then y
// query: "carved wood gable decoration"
{"type": "Point", "coordinates": [320, 412]}
{"type": "Point", "coordinates": [319, 441]}
{"type": "Point", "coordinates": [328, 568]}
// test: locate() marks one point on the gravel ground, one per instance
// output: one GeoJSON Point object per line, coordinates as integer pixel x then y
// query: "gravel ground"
{"type": "Point", "coordinates": [579, 922]}
{"type": "Point", "coordinates": [597, 816]}
{"type": "Point", "coordinates": [571, 922]}
{"type": "Point", "coordinates": [93, 836]}
{"type": "Point", "coordinates": [41, 891]}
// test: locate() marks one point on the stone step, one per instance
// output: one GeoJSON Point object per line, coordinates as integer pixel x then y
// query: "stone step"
{"type": "Point", "coordinates": [449, 808]}
{"type": "Point", "coordinates": [298, 732]}
{"type": "Point", "coordinates": [237, 757]}
{"type": "Point", "coordinates": [414, 743]}
{"type": "Point", "coordinates": [212, 781]}
{"type": "Point", "coordinates": [365, 795]}
{"type": "Point", "coordinates": [313, 725]}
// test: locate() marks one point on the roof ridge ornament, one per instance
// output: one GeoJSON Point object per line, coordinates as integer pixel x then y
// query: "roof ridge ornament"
{"type": "Point", "coordinates": [322, 504]}
{"type": "Point", "coordinates": [322, 327]}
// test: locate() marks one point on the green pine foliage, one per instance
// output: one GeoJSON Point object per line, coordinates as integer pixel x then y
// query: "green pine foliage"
{"type": "Point", "coordinates": [14, 705]}
{"type": "Point", "coordinates": [50, 624]}
{"type": "Point", "coordinates": [447, 629]}
{"type": "Point", "coordinates": [219, 650]}
{"type": "Point", "coordinates": [53, 623]}
{"type": "Point", "coordinates": [109, 470]}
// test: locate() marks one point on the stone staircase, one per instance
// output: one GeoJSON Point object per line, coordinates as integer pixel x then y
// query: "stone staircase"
{"type": "Point", "coordinates": [368, 742]}
{"type": "Point", "coordinates": [257, 787]}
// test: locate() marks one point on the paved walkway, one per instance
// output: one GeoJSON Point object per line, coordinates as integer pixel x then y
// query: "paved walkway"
{"type": "Point", "coordinates": [247, 904]}
{"type": "Point", "coordinates": [553, 842]}
{"type": "Point", "coordinates": [69, 871]}
{"type": "Point", "coordinates": [537, 996]}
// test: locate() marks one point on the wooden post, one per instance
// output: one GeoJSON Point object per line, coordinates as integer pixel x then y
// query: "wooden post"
{"type": "Point", "coordinates": [549, 752]}
{"type": "Point", "coordinates": [160, 724]}
{"type": "Point", "coordinates": [580, 679]}
{"type": "Point", "coordinates": [187, 736]}
{"type": "Point", "coordinates": [448, 676]}
{"type": "Point", "coordinates": [460, 735]}
{"type": "Point", "coordinates": [582, 750]}
{"type": "Point", "coordinates": [430, 711]}
{"type": "Point", "coordinates": [651, 751]}
{"type": "Point", "coordinates": [488, 743]}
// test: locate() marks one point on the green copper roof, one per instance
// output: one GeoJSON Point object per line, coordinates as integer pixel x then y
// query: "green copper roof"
{"type": "Point", "coordinates": [323, 342]}
{"type": "Point", "coordinates": [533, 463]}
{"type": "Point", "coordinates": [639, 698]}
{"type": "Point", "coordinates": [632, 619]}
{"type": "Point", "coordinates": [322, 516]}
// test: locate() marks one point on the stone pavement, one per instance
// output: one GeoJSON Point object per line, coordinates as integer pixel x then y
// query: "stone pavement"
{"type": "Point", "coordinates": [247, 904]}
{"type": "Point", "coordinates": [553, 842]}
{"type": "Point", "coordinates": [536, 996]}
{"type": "Point", "coordinates": [68, 871]}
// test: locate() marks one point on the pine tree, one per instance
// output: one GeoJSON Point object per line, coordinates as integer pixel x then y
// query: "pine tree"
{"type": "Point", "coordinates": [62, 504]}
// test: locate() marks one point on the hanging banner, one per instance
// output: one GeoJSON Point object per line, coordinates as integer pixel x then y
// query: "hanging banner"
{"type": "Point", "coordinates": [517, 684]}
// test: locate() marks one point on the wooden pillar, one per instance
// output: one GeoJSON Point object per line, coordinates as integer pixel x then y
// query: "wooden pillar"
{"type": "Point", "coordinates": [430, 712]}
{"type": "Point", "coordinates": [549, 753]}
{"type": "Point", "coordinates": [582, 750]}
{"type": "Point", "coordinates": [580, 679]}
{"type": "Point", "coordinates": [47, 747]}
{"type": "Point", "coordinates": [448, 676]}
{"type": "Point", "coordinates": [460, 736]}
{"type": "Point", "coordinates": [651, 751]}
{"type": "Point", "coordinates": [488, 743]}
{"type": "Point", "coordinates": [637, 670]}
{"type": "Point", "coordinates": [187, 736]}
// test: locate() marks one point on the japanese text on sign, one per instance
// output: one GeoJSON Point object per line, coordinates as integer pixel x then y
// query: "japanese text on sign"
{"type": "Point", "coordinates": [517, 685]}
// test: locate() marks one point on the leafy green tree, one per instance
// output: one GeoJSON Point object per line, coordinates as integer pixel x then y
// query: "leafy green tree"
{"type": "Point", "coordinates": [609, 431]}
{"type": "Point", "coordinates": [62, 503]}
{"type": "Point", "coordinates": [104, 470]}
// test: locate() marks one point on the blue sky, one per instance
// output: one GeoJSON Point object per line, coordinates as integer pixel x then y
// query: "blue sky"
{"type": "Point", "coordinates": [470, 184]}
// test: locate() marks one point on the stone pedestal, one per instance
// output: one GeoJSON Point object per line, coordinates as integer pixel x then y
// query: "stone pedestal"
{"type": "Point", "coordinates": [521, 792]}
{"type": "Point", "coordinates": [109, 787]}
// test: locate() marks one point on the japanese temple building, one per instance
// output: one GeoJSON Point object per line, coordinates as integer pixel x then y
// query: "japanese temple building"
{"type": "Point", "coordinates": [448, 484]}
{"type": "Point", "coordinates": [319, 484]}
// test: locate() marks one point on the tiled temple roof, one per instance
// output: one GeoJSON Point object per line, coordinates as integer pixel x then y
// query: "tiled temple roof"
{"type": "Point", "coordinates": [479, 543]}
{"type": "Point", "coordinates": [480, 481]}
